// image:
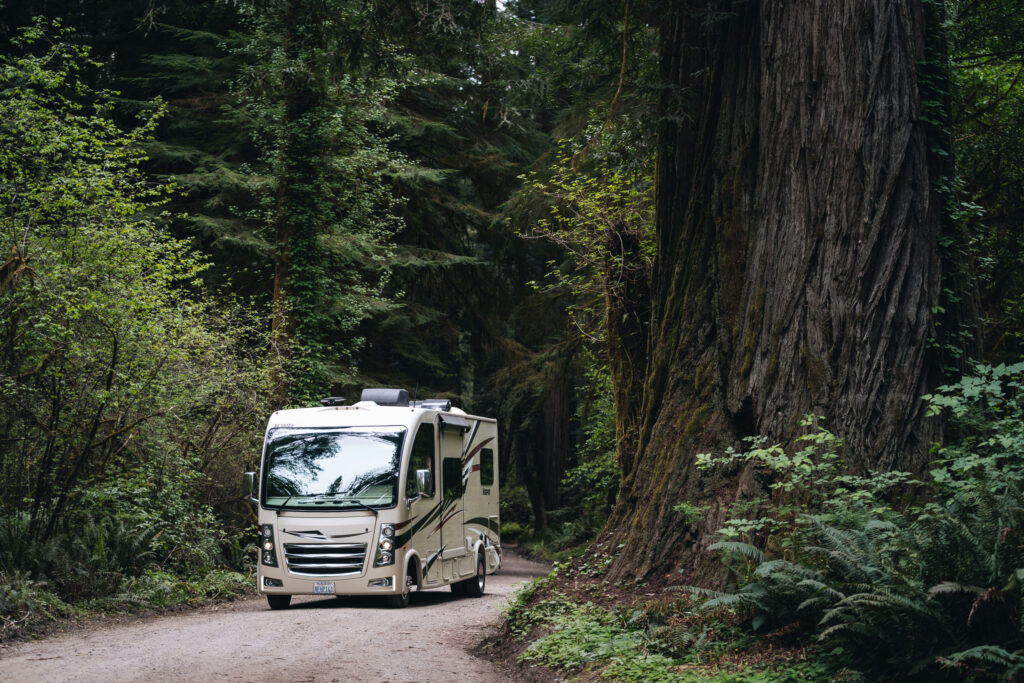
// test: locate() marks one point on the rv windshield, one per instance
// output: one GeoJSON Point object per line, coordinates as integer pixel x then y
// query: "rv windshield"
{"type": "Point", "coordinates": [332, 468]}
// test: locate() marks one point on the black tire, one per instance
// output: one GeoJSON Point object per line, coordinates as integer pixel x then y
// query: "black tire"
{"type": "Point", "coordinates": [458, 588]}
{"type": "Point", "coordinates": [400, 600]}
{"type": "Point", "coordinates": [279, 601]}
{"type": "Point", "coordinates": [475, 587]}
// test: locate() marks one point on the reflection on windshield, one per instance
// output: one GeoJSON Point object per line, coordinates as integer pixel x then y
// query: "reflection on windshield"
{"type": "Point", "coordinates": [333, 468]}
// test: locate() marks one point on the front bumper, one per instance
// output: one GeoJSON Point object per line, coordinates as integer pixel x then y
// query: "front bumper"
{"type": "Point", "coordinates": [371, 581]}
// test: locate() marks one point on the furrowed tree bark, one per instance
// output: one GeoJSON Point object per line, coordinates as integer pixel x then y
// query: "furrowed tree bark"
{"type": "Point", "coordinates": [797, 267]}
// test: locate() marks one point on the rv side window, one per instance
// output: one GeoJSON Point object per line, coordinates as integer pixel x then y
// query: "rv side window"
{"type": "Point", "coordinates": [453, 487]}
{"type": "Point", "coordinates": [486, 467]}
{"type": "Point", "coordinates": [421, 458]}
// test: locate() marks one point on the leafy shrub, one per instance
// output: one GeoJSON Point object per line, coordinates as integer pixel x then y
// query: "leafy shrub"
{"type": "Point", "coordinates": [25, 604]}
{"type": "Point", "coordinates": [514, 504]}
{"type": "Point", "coordinates": [163, 589]}
{"type": "Point", "coordinates": [523, 613]}
{"type": "Point", "coordinates": [591, 485]}
{"type": "Point", "coordinates": [658, 641]}
{"type": "Point", "coordinates": [159, 507]}
{"type": "Point", "coordinates": [120, 529]}
{"type": "Point", "coordinates": [514, 532]}
{"type": "Point", "coordinates": [125, 397]}
{"type": "Point", "coordinates": [586, 634]}
{"type": "Point", "coordinates": [560, 542]}
{"type": "Point", "coordinates": [809, 480]}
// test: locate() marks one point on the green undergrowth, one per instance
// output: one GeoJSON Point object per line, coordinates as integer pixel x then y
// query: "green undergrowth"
{"type": "Point", "coordinates": [829, 575]}
{"type": "Point", "coordinates": [903, 577]}
{"type": "Point", "coordinates": [560, 542]}
{"type": "Point", "coordinates": [556, 546]}
{"type": "Point", "coordinates": [668, 639]}
{"type": "Point", "coordinates": [29, 607]}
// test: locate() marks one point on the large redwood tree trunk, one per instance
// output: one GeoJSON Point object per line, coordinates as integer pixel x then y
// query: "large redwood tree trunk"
{"type": "Point", "coordinates": [798, 266]}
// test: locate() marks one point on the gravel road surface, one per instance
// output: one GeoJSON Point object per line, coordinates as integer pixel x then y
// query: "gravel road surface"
{"type": "Point", "coordinates": [318, 639]}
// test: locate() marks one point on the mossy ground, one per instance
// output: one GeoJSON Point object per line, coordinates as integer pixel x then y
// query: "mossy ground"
{"type": "Point", "coordinates": [575, 625]}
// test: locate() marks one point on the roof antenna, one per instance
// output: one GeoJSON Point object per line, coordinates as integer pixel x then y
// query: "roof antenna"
{"type": "Point", "coordinates": [415, 394]}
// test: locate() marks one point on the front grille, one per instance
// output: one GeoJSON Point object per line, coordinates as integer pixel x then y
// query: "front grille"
{"type": "Point", "coordinates": [325, 559]}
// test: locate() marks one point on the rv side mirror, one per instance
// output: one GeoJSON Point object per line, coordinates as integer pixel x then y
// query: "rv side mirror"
{"type": "Point", "coordinates": [249, 486]}
{"type": "Point", "coordinates": [423, 482]}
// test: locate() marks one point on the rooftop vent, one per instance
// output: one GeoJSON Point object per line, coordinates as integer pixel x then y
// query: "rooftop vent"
{"type": "Point", "coordinates": [442, 404]}
{"type": "Point", "coordinates": [333, 401]}
{"type": "Point", "coordinates": [386, 397]}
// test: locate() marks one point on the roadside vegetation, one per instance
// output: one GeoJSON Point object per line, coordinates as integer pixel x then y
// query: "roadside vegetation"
{"type": "Point", "coordinates": [127, 400]}
{"type": "Point", "coordinates": [828, 575]}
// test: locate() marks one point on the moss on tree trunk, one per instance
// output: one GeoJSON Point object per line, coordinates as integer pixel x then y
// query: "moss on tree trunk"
{"type": "Point", "coordinates": [798, 266]}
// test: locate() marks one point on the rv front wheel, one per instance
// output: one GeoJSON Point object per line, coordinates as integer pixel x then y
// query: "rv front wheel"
{"type": "Point", "coordinates": [401, 600]}
{"type": "Point", "coordinates": [279, 601]}
{"type": "Point", "coordinates": [475, 587]}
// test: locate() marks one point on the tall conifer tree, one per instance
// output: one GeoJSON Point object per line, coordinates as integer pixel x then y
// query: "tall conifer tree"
{"type": "Point", "coordinates": [316, 100]}
{"type": "Point", "coordinates": [798, 266]}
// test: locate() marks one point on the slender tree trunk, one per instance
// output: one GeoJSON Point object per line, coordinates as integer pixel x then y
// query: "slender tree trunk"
{"type": "Point", "coordinates": [293, 172]}
{"type": "Point", "coordinates": [282, 328]}
{"type": "Point", "coordinates": [556, 417]}
{"type": "Point", "coordinates": [627, 303]}
{"type": "Point", "coordinates": [797, 267]}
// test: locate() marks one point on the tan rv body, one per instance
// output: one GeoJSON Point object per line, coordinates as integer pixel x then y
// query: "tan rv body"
{"type": "Point", "coordinates": [442, 532]}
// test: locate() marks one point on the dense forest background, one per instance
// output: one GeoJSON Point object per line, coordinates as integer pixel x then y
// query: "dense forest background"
{"type": "Point", "coordinates": [641, 234]}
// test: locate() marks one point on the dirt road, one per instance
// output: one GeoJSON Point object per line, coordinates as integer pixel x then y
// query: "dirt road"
{"type": "Point", "coordinates": [345, 639]}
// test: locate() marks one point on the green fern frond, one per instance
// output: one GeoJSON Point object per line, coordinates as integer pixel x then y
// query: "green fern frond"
{"type": "Point", "coordinates": [947, 587]}
{"type": "Point", "coordinates": [700, 590]}
{"type": "Point", "coordinates": [731, 600]}
{"type": "Point", "coordinates": [823, 589]}
{"type": "Point", "coordinates": [747, 550]}
{"type": "Point", "coordinates": [855, 628]}
{"type": "Point", "coordinates": [987, 655]}
{"type": "Point", "coordinates": [816, 602]}
{"type": "Point", "coordinates": [879, 525]}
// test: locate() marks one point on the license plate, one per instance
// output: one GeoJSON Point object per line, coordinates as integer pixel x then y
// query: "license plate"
{"type": "Point", "coordinates": [323, 587]}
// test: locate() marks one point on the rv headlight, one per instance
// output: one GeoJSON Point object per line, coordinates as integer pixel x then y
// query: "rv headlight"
{"type": "Point", "coordinates": [268, 556]}
{"type": "Point", "coordinates": [385, 546]}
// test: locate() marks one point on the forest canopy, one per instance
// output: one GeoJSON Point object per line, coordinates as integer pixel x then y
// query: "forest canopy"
{"type": "Point", "coordinates": [700, 258]}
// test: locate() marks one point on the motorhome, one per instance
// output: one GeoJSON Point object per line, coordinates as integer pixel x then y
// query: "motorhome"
{"type": "Point", "coordinates": [380, 497]}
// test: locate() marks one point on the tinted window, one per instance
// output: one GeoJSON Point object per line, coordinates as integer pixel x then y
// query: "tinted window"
{"type": "Point", "coordinates": [453, 487]}
{"type": "Point", "coordinates": [421, 458]}
{"type": "Point", "coordinates": [487, 467]}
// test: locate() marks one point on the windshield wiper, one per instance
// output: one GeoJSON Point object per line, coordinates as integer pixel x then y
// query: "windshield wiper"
{"type": "Point", "coordinates": [281, 506]}
{"type": "Point", "coordinates": [333, 498]}
{"type": "Point", "coordinates": [359, 503]}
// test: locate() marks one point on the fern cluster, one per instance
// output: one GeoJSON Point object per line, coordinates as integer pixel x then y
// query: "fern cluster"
{"type": "Point", "coordinates": [933, 589]}
{"type": "Point", "coordinates": [930, 589]}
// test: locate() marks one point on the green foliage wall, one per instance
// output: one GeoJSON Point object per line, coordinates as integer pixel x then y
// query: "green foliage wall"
{"type": "Point", "coordinates": [110, 364]}
{"type": "Point", "coordinates": [322, 200]}
{"type": "Point", "coordinates": [987, 65]}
